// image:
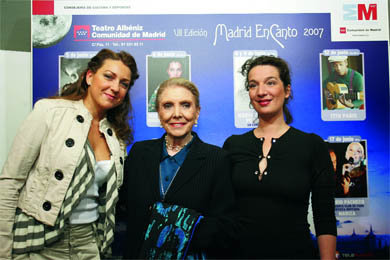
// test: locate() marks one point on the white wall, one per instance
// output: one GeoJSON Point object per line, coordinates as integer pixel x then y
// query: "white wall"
{"type": "Point", "coordinates": [15, 96]}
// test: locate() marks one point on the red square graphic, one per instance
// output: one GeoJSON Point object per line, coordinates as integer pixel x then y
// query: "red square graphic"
{"type": "Point", "coordinates": [43, 7]}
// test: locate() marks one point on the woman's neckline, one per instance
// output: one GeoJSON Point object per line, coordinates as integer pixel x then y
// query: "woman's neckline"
{"type": "Point", "coordinates": [104, 161]}
{"type": "Point", "coordinates": [273, 137]}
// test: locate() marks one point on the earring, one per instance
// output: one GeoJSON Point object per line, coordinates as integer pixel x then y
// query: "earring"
{"type": "Point", "coordinates": [250, 105]}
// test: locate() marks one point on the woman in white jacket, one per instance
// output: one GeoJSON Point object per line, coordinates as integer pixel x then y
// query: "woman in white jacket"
{"type": "Point", "coordinates": [59, 185]}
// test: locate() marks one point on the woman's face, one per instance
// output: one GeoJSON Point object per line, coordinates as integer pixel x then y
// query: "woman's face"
{"type": "Point", "coordinates": [355, 151]}
{"type": "Point", "coordinates": [266, 91]}
{"type": "Point", "coordinates": [108, 85]}
{"type": "Point", "coordinates": [174, 69]}
{"type": "Point", "coordinates": [177, 111]}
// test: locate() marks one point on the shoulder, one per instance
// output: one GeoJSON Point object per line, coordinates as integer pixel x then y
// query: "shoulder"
{"type": "Point", "coordinates": [44, 104]}
{"type": "Point", "coordinates": [304, 139]}
{"type": "Point", "coordinates": [49, 104]}
{"type": "Point", "coordinates": [357, 77]}
{"type": "Point", "coordinates": [238, 139]}
{"type": "Point", "coordinates": [47, 108]}
{"type": "Point", "coordinates": [355, 72]}
{"type": "Point", "coordinates": [301, 140]}
{"type": "Point", "coordinates": [210, 155]}
{"type": "Point", "coordinates": [145, 145]}
{"type": "Point", "coordinates": [209, 151]}
{"type": "Point", "coordinates": [210, 148]}
{"type": "Point", "coordinates": [143, 149]}
{"type": "Point", "coordinates": [297, 133]}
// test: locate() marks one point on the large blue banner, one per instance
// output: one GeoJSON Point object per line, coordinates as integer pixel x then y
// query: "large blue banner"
{"type": "Point", "coordinates": [209, 49]}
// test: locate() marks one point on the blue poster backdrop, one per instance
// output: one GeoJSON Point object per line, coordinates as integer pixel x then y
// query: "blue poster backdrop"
{"type": "Point", "coordinates": [208, 44]}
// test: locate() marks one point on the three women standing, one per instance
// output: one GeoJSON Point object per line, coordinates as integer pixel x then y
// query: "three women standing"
{"type": "Point", "coordinates": [59, 185]}
{"type": "Point", "coordinates": [275, 168]}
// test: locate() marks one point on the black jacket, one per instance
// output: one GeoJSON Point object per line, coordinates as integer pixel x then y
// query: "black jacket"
{"type": "Point", "coordinates": [203, 183]}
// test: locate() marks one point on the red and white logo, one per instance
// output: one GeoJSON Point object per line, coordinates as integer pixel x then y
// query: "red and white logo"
{"type": "Point", "coordinates": [360, 12]}
{"type": "Point", "coordinates": [81, 32]}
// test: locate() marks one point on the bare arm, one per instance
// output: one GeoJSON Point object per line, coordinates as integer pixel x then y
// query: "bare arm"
{"type": "Point", "coordinates": [327, 246]}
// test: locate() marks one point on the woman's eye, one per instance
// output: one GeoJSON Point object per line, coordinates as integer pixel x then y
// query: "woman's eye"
{"type": "Point", "coordinates": [271, 83]}
{"type": "Point", "coordinates": [167, 106]}
{"type": "Point", "coordinates": [125, 84]}
{"type": "Point", "coordinates": [107, 76]}
{"type": "Point", "coordinates": [252, 85]}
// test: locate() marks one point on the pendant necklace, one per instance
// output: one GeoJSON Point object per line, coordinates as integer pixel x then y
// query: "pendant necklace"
{"type": "Point", "coordinates": [169, 185]}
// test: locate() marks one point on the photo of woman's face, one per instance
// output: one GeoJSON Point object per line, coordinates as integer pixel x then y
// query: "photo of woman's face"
{"type": "Point", "coordinates": [174, 69]}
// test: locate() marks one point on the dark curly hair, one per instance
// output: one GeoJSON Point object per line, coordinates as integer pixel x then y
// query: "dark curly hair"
{"type": "Point", "coordinates": [120, 115]}
{"type": "Point", "coordinates": [284, 74]}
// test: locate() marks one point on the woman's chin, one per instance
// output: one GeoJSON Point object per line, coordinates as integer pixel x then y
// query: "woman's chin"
{"type": "Point", "coordinates": [178, 134]}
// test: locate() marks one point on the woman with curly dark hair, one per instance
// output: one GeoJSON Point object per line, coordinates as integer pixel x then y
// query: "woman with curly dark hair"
{"type": "Point", "coordinates": [275, 168]}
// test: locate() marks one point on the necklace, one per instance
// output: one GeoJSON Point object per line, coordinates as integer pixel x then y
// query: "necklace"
{"type": "Point", "coordinates": [169, 185]}
{"type": "Point", "coordinates": [175, 148]}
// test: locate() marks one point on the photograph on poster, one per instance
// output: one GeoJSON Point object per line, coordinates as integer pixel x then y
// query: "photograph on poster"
{"type": "Point", "coordinates": [349, 159]}
{"type": "Point", "coordinates": [342, 87]}
{"type": "Point", "coordinates": [244, 115]}
{"type": "Point", "coordinates": [47, 30]}
{"type": "Point", "coordinates": [70, 69]}
{"type": "Point", "coordinates": [162, 66]}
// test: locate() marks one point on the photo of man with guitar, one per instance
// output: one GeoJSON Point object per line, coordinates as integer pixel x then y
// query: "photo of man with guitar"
{"type": "Point", "coordinates": [343, 87]}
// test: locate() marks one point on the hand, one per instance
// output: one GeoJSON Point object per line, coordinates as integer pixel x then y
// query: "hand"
{"type": "Point", "coordinates": [346, 181]}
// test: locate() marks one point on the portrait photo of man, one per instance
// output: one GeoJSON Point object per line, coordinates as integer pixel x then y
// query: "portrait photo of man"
{"type": "Point", "coordinates": [343, 82]}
